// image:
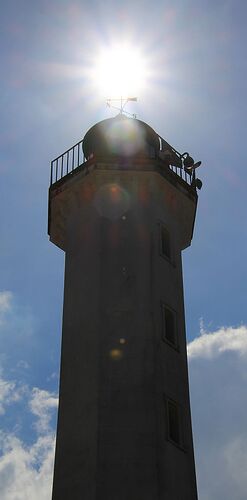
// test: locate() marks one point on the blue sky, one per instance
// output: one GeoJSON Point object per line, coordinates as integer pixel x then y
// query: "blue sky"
{"type": "Point", "coordinates": [196, 99]}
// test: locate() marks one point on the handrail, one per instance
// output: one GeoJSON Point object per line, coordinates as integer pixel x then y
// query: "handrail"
{"type": "Point", "coordinates": [65, 163]}
{"type": "Point", "coordinates": [73, 157]}
{"type": "Point", "coordinates": [188, 178]}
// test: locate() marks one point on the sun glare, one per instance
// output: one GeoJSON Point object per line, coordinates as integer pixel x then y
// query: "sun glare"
{"type": "Point", "coordinates": [119, 71]}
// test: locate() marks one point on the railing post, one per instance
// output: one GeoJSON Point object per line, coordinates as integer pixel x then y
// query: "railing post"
{"type": "Point", "coordinates": [51, 173]}
{"type": "Point", "coordinates": [193, 177]}
{"type": "Point", "coordinates": [61, 167]}
{"type": "Point", "coordinates": [56, 168]}
{"type": "Point", "coordinates": [73, 157]}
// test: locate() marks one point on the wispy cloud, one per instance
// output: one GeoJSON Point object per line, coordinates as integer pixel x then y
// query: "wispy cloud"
{"type": "Point", "coordinates": [10, 392]}
{"type": "Point", "coordinates": [23, 364]}
{"type": "Point", "coordinates": [15, 320]}
{"type": "Point", "coordinates": [6, 298]}
{"type": "Point", "coordinates": [5, 301]}
{"type": "Point", "coordinates": [42, 404]}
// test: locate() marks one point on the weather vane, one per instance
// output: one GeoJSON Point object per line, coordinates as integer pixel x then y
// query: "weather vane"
{"type": "Point", "coordinates": [123, 102]}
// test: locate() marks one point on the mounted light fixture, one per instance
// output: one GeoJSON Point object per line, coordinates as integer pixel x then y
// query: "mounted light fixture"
{"type": "Point", "coordinates": [188, 161]}
{"type": "Point", "coordinates": [198, 183]}
{"type": "Point", "coordinates": [192, 167]}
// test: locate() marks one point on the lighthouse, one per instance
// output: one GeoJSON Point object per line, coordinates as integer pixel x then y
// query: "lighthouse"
{"type": "Point", "coordinates": [122, 206]}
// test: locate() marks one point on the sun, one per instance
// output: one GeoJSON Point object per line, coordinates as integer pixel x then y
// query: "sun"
{"type": "Point", "coordinates": [119, 71]}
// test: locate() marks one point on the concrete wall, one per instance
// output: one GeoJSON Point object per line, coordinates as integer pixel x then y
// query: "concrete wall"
{"type": "Point", "coordinates": [116, 371]}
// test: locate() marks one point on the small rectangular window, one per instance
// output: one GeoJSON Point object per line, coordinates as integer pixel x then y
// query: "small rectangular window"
{"type": "Point", "coordinates": [174, 422]}
{"type": "Point", "coordinates": [169, 325]}
{"type": "Point", "coordinates": [165, 243]}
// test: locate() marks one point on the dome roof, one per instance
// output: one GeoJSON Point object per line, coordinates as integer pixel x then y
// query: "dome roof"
{"type": "Point", "coordinates": [120, 137]}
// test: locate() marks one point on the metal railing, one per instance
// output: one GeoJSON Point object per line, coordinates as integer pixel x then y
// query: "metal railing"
{"type": "Point", "coordinates": [188, 178]}
{"type": "Point", "coordinates": [176, 164]}
{"type": "Point", "coordinates": [71, 159]}
{"type": "Point", "coordinates": [67, 162]}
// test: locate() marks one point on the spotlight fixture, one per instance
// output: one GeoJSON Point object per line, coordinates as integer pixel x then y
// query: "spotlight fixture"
{"type": "Point", "coordinates": [198, 183]}
{"type": "Point", "coordinates": [197, 164]}
{"type": "Point", "coordinates": [188, 161]}
{"type": "Point", "coordinates": [192, 167]}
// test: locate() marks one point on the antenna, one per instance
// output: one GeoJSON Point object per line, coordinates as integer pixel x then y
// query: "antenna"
{"type": "Point", "coordinates": [123, 102]}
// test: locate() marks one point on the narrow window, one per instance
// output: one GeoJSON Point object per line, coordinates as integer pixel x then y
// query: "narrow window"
{"type": "Point", "coordinates": [169, 325]}
{"type": "Point", "coordinates": [174, 422]}
{"type": "Point", "coordinates": [165, 244]}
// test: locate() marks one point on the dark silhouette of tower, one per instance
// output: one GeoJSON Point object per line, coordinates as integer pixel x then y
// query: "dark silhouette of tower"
{"type": "Point", "coordinates": [122, 205]}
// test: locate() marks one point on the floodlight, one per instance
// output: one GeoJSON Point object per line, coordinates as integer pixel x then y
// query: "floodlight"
{"type": "Point", "coordinates": [198, 183]}
{"type": "Point", "coordinates": [188, 162]}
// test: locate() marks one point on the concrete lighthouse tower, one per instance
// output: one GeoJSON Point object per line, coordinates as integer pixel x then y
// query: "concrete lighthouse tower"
{"type": "Point", "coordinates": [122, 206]}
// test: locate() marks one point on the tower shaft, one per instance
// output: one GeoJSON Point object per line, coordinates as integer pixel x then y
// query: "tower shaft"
{"type": "Point", "coordinates": [124, 425]}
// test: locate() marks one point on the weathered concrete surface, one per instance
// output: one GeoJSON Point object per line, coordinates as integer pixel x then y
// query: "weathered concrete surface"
{"type": "Point", "coordinates": [116, 371]}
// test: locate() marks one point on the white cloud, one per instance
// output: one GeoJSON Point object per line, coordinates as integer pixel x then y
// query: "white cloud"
{"type": "Point", "coordinates": [210, 345]}
{"type": "Point", "coordinates": [42, 403]}
{"type": "Point", "coordinates": [26, 471]}
{"type": "Point", "coordinates": [218, 375]}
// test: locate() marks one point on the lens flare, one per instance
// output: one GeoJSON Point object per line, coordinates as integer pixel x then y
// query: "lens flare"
{"type": "Point", "coordinates": [112, 201]}
{"type": "Point", "coordinates": [116, 354]}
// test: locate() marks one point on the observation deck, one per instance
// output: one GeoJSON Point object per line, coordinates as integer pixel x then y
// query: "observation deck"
{"type": "Point", "coordinates": [125, 144]}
